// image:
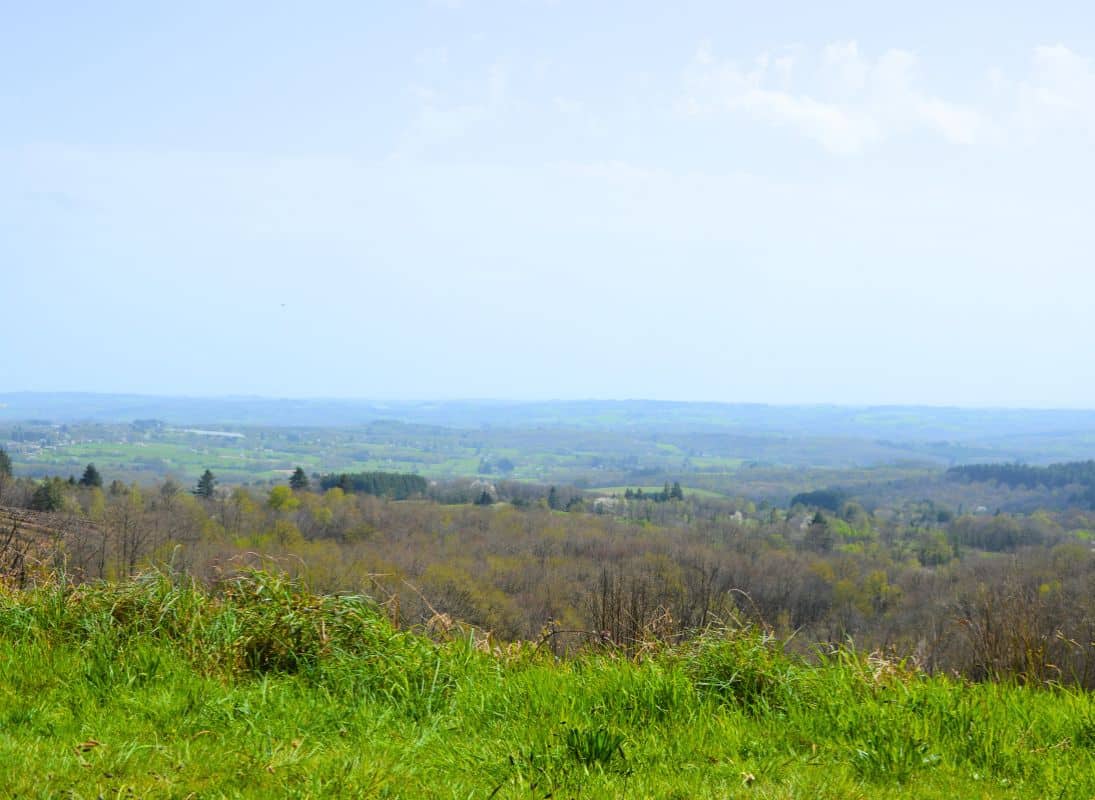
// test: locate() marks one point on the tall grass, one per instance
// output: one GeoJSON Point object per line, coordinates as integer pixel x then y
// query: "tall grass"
{"type": "Point", "coordinates": [158, 687]}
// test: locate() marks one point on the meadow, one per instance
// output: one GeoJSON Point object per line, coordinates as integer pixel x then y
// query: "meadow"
{"type": "Point", "coordinates": [155, 687]}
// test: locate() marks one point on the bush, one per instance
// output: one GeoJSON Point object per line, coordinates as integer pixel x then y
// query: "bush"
{"type": "Point", "coordinates": [746, 667]}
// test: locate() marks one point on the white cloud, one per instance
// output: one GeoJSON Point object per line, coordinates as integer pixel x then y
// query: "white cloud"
{"type": "Point", "coordinates": [847, 71]}
{"type": "Point", "coordinates": [842, 99]}
{"type": "Point", "coordinates": [839, 129]}
{"type": "Point", "coordinates": [954, 123]}
{"type": "Point", "coordinates": [1060, 91]}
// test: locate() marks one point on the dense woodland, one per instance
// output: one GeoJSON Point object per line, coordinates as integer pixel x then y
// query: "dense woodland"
{"type": "Point", "coordinates": [981, 594]}
{"type": "Point", "coordinates": [1078, 475]}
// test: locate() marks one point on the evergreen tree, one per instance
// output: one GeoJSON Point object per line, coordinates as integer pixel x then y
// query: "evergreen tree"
{"type": "Point", "coordinates": [207, 484]}
{"type": "Point", "coordinates": [49, 496]}
{"type": "Point", "coordinates": [553, 499]}
{"type": "Point", "coordinates": [5, 464]}
{"type": "Point", "coordinates": [676, 493]}
{"type": "Point", "coordinates": [91, 477]}
{"type": "Point", "coordinates": [298, 481]}
{"type": "Point", "coordinates": [398, 486]}
{"type": "Point", "coordinates": [484, 499]}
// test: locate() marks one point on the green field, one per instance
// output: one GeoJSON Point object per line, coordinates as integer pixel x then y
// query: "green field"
{"type": "Point", "coordinates": [153, 688]}
{"type": "Point", "coordinates": [727, 450]}
{"type": "Point", "coordinates": [262, 454]}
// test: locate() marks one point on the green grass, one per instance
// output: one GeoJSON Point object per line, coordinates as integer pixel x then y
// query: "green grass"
{"type": "Point", "coordinates": [155, 688]}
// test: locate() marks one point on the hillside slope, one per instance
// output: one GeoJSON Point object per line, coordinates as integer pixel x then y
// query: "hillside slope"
{"type": "Point", "coordinates": [156, 688]}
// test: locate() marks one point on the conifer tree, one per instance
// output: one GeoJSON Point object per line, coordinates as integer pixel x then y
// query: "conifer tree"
{"type": "Point", "coordinates": [207, 484]}
{"type": "Point", "coordinates": [298, 481]}
{"type": "Point", "coordinates": [91, 477]}
{"type": "Point", "coordinates": [49, 496]}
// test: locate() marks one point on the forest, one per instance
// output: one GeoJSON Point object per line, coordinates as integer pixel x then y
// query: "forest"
{"type": "Point", "coordinates": [975, 593]}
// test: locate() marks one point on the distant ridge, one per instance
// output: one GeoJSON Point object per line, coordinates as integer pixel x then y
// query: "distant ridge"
{"type": "Point", "coordinates": [886, 423]}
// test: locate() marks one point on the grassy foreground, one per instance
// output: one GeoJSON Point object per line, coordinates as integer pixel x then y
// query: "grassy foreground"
{"type": "Point", "coordinates": [155, 688]}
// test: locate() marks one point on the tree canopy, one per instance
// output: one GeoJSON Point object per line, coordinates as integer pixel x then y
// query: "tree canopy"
{"type": "Point", "coordinates": [829, 499]}
{"type": "Point", "coordinates": [1055, 476]}
{"type": "Point", "coordinates": [281, 499]}
{"type": "Point", "coordinates": [396, 485]}
{"type": "Point", "coordinates": [207, 485]}
{"type": "Point", "coordinates": [91, 477]}
{"type": "Point", "coordinates": [49, 495]}
{"type": "Point", "coordinates": [298, 481]}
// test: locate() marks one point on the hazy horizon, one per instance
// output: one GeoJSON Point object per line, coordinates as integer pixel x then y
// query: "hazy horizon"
{"type": "Point", "coordinates": [520, 401]}
{"type": "Point", "coordinates": [847, 205]}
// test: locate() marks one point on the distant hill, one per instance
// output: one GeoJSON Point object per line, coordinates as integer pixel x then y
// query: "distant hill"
{"type": "Point", "coordinates": [903, 423]}
{"type": "Point", "coordinates": [749, 433]}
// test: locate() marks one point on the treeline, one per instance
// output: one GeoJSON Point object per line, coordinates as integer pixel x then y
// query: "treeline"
{"type": "Point", "coordinates": [396, 485]}
{"type": "Point", "coordinates": [829, 499]}
{"type": "Point", "coordinates": [1080, 473]}
{"type": "Point", "coordinates": [674, 492]}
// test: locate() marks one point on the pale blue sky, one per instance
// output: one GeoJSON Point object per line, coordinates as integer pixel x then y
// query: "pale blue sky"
{"type": "Point", "coordinates": [781, 202]}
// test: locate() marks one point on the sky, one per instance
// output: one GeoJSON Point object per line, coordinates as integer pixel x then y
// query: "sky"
{"type": "Point", "coordinates": [760, 202]}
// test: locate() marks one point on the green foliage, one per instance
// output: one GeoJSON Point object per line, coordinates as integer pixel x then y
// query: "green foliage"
{"type": "Point", "coordinates": [998, 533]}
{"type": "Point", "coordinates": [398, 486]}
{"type": "Point", "coordinates": [298, 481]}
{"type": "Point", "coordinates": [1080, 473]}
{"type": "Point", "coordinates": [829, 499]}
{"type": "Point", "coordinates": [666, 494]}
{"type": "Point", "coordinates": [91, 477]}
{"type": "Point", "coordinates": [888, 753]}
{"type": "Point", "coordinates": [594, 746]}
{"type": "Point", "coordinates": [5, 464]}
{"type": "Point", "coordinates": [157, 687]}
{"type": "Point", "coordinates": [49, 495]}
{"type": "Point", "coordinates": [207, 485]}
{"type": "Point", "coordinates": [281, 499]}
{"type": "Point", "coordinates": [746, 668]}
